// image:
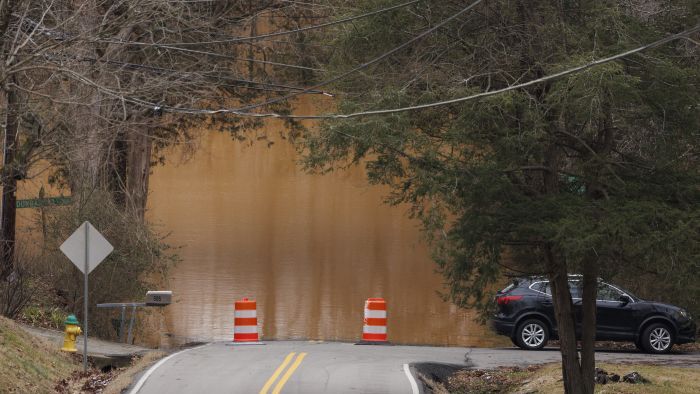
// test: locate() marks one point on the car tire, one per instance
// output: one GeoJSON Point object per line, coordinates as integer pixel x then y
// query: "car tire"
{"type": "Point", "coordinates": [657, 338]}
{"type": "Point", "coordinates": [532, 334]}
{"type": "Point", "coordinates": [638, 344]}
{"type": "Point", "coordinates": [515, 342]}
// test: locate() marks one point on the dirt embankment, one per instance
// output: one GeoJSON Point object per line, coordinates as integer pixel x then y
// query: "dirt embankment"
{"type": "Point", "coordinates": [611, 378]}
{"type": "Point", "coordinates": [29, 364]}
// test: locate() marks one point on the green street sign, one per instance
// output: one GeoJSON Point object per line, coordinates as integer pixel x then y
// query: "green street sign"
{"type": "Point", "coordinates": [44, 202]}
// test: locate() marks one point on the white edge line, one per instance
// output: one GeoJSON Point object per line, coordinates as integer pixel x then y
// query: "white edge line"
{"type": "Point", "coordinates": [414, 385]}
{"type": "Point", "coordinates": [148, 373]}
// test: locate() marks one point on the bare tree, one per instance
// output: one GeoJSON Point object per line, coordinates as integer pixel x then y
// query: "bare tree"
{"type": "Point", "coordinates": [78, 80]}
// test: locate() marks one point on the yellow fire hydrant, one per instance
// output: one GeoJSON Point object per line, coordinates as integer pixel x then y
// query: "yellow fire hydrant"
{"type": "Point", "coordinates": [72, 332]}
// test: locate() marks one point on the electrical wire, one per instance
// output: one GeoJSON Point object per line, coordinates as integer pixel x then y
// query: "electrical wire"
{"type": "Point", "coordinates": [268, 35]}
{"type": "Point", "coordinates": [59, 35]}
{"type": "Point", "coordinates": [547, 78]}
{"type": "Point", "coordinates": [280, 87]}
{"type": "Point", "coordinates": [174, 47]}
{"type": "Point", "coordinates": [234, 58]}
{"type": "Point", "coordinates": [367, 64]}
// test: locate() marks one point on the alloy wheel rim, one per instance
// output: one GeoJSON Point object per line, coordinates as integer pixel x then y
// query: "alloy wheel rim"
{"type": "Point", "coordinates": [533, 335]}
{"type": "Point", "coordinates": [660, 339]}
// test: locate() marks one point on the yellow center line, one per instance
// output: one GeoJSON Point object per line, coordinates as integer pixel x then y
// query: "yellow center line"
{"type": "Point", "coordinates": [289, 373]}
{"type": "Point", "coordinates": [277, 373]}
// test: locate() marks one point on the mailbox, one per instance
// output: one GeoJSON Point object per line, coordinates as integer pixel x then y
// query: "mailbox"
{"type": "Point", "coordinates": [159, 298]}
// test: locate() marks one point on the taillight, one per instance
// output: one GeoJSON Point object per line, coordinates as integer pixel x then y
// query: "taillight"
{"type": "Point", "coordinates": [505, 300]}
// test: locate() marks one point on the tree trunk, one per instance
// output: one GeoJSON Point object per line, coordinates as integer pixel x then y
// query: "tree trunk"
{"type": "Point", "coordinates": [588, 329]}
{"type": "Point", "coordinates": [574, 380]}
{"type": "Point", "coordinates": [9, 183]}
{"type": "Point", "coordinates": [138, 170]}
{"type": "Point", "coordinates": [87, 157]}
{"type": "Point", "coordinates": [7, 7]}
{"type": "Point", "coordinates": [118, 163]}
{"type": "Point", "coordinates": [251, 45]}
{"type": "Point", "coordinates": [566, 324]}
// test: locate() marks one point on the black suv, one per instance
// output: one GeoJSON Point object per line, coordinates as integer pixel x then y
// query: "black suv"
{"type": "Point", "coordinates": [526, 315]}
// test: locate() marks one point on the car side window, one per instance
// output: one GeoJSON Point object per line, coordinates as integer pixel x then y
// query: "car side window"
{"type": "Point", "coordinates": [545, 288]}
{"type": "Point", "coordinates": [542, 287]}
{"type": "Point", "coordinates": [607, 292]}
{"type": "Point", "coordinates": [575, 288]}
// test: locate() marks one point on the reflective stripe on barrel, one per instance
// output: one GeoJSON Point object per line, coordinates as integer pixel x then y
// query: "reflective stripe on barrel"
{"type": "Point", "coordinates": [245, 322]}
{"type": "Point", "coordinates": [374, 329]}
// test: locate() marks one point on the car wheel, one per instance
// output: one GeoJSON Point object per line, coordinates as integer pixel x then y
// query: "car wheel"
{"type": "Point", "coordinates": [532, 334]}
{"type": "Point", "coordinates": [657, 338]}
{"type": "Point", "coordinates": [515, 342]}
{"type": "Point", "coordinates": [638, 344]}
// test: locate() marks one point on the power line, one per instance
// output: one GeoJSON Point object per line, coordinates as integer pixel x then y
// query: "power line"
{"type": "Point", "coordinates": [172, 46]}
{"type": "Point", "coordinates": [367, 64]}
{"type": "Point", "coordinates": [268, 35]}
{"type": "Point", "coordinates": [213, 75]}
{"type": "Point", "coordinates": [59, 35]}
{"type": "Point", "coordinates": [234, 58]}
{"type": "Point", "coordinates": [280, 87]}
{"type": "Point", "coordinates": [554, 76]}
{"type": "Point", "coordinates": [313, 27]}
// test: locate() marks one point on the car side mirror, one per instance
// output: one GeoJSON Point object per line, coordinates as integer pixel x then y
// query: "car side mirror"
{"type": "Point", "coordinates": [624, 299]}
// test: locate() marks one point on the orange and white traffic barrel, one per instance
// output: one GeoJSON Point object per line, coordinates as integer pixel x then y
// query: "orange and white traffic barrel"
{"type": "Point", "coordinates": [245, 324]}
{"type": "Point", "coordinates": [374, 329]}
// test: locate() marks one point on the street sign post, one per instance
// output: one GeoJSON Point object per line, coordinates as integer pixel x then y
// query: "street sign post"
{"type": "Point", "coordinates": [86, 248]}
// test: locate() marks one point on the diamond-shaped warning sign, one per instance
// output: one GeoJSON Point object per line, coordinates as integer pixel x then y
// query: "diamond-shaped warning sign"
{"type": "Point", "coordinates": [97, 247]}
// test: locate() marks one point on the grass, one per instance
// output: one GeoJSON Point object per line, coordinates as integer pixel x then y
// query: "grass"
{"type": "Point", "coordinates": [484, 381]}
{"type": "Point", "coordinates": [547, 379]}
{"type": "Point", "coordinates": [43, 317]}
{"type": "Point", "coordinates": [663, 380]}
{"type": "Point", "coordinates": [29, 364]}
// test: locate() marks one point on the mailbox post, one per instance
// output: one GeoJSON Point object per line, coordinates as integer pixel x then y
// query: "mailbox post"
{"type": "Point", "coordinates": [153, 298]}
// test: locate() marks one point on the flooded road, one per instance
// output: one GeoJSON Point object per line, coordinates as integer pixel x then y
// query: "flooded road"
{"type": "Point", "coordinates": [310, 249]}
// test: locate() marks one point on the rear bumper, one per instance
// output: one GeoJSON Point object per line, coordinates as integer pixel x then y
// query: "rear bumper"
{"type": "Point", "coordinates": [502, 327]}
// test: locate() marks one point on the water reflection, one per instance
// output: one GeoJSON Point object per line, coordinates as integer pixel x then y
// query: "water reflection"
{"type": "Point", "coordinates": [310, 249]}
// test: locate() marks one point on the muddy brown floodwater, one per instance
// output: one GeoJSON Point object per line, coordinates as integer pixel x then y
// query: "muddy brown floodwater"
{"type": "Point", "coordinates": [309, 248]}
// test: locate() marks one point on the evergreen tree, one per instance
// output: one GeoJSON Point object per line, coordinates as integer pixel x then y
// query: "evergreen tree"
{"type": "Point", "coordinates": [595, 173]}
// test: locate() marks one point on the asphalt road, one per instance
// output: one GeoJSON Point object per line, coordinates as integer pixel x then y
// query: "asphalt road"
{"type": "Point", "coordinates": [327, 367]}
